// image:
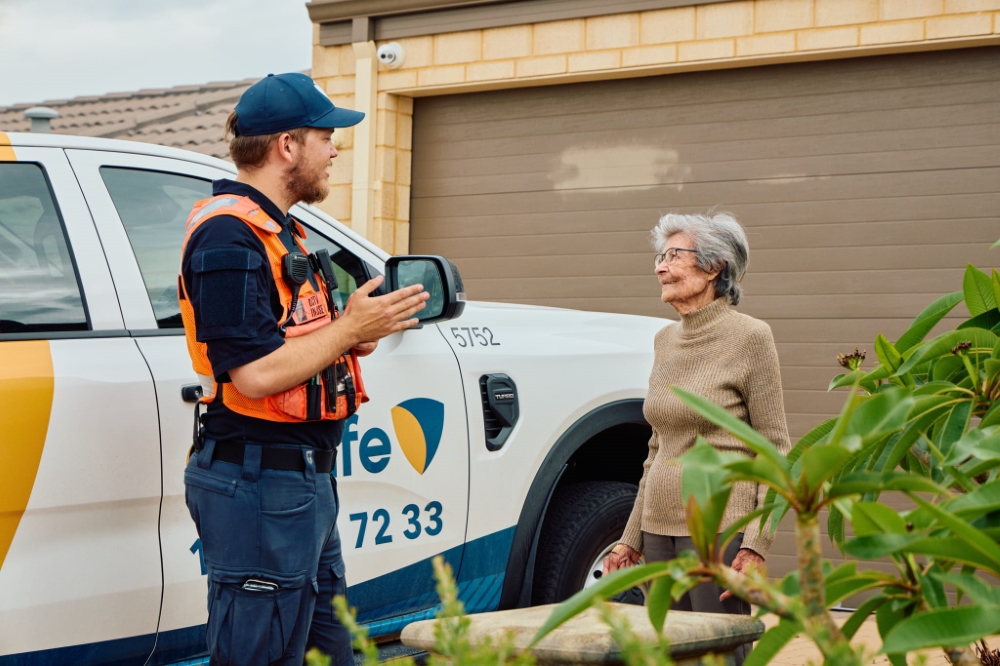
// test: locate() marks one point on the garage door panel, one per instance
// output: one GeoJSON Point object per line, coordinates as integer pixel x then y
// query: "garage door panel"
{"type": "Point", "coordinates": [770, 218]}
{"type": "Point", "coordinates": [484, 161]}
{"type": "Point", "coordinates": [863, 75]}
{"type": "Point", "coordinates": [860, 329]}
{"type": "Point", "coordinates": [506, 137]}
{"type": "Point", "coordinates": [529, 260]}
{"type": "Point", "coordinates": [675, 186]}
{"type": "Point", "coordinates": [642, 166]}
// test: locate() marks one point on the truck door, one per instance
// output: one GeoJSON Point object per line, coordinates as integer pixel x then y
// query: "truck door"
{"type": "Point", "coordinates": [79, 450]}
{"type": "Point", "coordinates": [405, 516]}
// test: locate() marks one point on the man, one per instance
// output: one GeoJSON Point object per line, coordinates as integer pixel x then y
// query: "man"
{"type": "Point", "coordinates": [279, 370]}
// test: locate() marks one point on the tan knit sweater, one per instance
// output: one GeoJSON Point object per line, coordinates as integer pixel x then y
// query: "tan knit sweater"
{"type": "Point", "coordinates": [730, 359]}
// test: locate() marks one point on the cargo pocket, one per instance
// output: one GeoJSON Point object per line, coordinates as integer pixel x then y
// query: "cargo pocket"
{"type": "Point", "coordinates": [288, 539]}
{"type": "Point", "coordinates": [226, 292]}
{"type": "Point", "coordinates": [256, 627]}
{"type": "Point", "coordinates": [224, 514]}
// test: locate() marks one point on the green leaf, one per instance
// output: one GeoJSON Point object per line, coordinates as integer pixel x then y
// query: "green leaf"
{"type": "Point", "coordinates": [835, 525]}
{"type": "Point", "coordinates": [735, 528]}
{"type": "Point", "coordinates": [821, 462]}
{"type": "Point", "coordinates": [736, 427]}
{"type": "Point", "coordinates": [943, 344]}
{"type": "Point", "coordinates": [713, 510]}
{"type": "Point", "coordinates": [847, 379]}
{"type": "Point", "coordinates": [860, 483]}
{"type": "Point", "coordinates": [845, 570]}
{"type": "Point", "coordinates": [973, 587]}
{"type": "Point", "coordinates": [874, 546]}
{"type": "Point", "coordinates": [926, 320]}
{"type": "Point", "coordinates": [772, 641]}
{"type": "Point", "coordinates": [888, 355]}
{"type": "Point", "coordinates": [988, 320]}
{"type": "Point", "coordinates": [949, 548]}
{"type": "Point", "coordinates": [982, 500]}
{"type": "Point", "coordinates": [872, 518]}
{"type": "Point", "coordinates": [953, 427]}
{"type": "Point", "coordinates": [607, 587]}
{"type": "Point", "coordinates": [913, 432]}
{"type": "Point", "coordinates": [996, 286]}
{"type": "Point", "coordinates": [992, 416]}
{"type": "Point", "coordinates": [842, 589]}
{"type": "Point", "coordinates": [859, 616]}
{"type": "Point", "coordinates": [888, 616]}
{"type": "Point", "coordinates": [880, 414]}
{"type": "Point", "coordinates": [658, 602]}
{"type": "Point", "coordinates": [758, 470]}
{"type": "Point", "coordinates": [703, 472]}
{"type": "Point", "coordinates": [964, 531]}
{"type": "Point", "coordinates": [987, 450]}
{"type": "Point", "coordinates": [976, 437]}
{"type": "Point", "coordinates": [942, 627]}
{"type": "Point", "coordinates": [978, 291]}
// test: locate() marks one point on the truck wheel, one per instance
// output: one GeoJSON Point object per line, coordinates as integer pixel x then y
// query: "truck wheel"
{"type": "Point", "coordinates": [583, 522]}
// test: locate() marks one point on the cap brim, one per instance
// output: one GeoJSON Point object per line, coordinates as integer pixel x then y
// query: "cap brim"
{"type": "Point", "coordinates": [337, 117]}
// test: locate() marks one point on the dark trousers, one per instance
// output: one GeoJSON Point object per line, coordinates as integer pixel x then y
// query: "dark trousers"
{"type": "Point", "coordinates": [273, 556]}
{"type": "Point", "coordinates": [705, 597]}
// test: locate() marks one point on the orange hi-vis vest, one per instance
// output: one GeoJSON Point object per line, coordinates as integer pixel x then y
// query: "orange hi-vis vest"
{"type": "Point", "coordinates": [337, 391]}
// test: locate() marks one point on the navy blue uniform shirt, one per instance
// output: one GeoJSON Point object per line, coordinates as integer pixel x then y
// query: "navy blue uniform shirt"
{"type": "Point", "coordinates": [236, 309]}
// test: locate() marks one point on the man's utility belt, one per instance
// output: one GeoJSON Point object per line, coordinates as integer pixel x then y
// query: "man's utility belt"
{"type": "Point", "coordinates": [273, 457]}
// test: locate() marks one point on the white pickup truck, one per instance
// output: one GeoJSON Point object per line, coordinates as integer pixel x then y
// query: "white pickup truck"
{"type": "Point", "coordinates": [521, 470]}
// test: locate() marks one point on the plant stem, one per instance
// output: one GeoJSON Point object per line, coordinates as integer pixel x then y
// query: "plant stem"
{"type": "Point", "coordinates": [819, 625]}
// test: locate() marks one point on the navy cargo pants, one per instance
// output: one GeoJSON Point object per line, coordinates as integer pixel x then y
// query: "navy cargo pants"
{"type": "Point", "coordinates": [273, 556]}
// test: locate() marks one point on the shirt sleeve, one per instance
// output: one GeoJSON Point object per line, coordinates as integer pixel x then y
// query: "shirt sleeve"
{"type": "Point", "coordinates": [766, 410]}
{"type": "Point", "coordinates": [633, 529]}
{"type": "Point", "coordinates": [229, 282]}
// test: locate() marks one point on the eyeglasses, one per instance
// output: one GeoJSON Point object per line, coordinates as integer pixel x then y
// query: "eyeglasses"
{"type": "Point", "coordinates": [670, 255]}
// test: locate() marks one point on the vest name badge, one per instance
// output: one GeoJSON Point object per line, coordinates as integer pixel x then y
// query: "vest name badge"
{"type": "Point", "coordinates": [310, 307]}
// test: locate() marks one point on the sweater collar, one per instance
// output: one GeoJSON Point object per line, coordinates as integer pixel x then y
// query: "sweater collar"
{"type": "Point", "coordinates": [704, 318]}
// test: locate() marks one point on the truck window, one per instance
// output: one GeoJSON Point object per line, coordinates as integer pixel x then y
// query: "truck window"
{"type": "Point", "coordinates": [349, 270]}
{"type": "Point", "coordinates": [39, 288]}
{"type": "Point", "coordinates": [154, 207]}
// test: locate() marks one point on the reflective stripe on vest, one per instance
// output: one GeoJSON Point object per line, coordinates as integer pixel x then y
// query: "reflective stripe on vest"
{"type": "Point", "coordinates": [334, 393]}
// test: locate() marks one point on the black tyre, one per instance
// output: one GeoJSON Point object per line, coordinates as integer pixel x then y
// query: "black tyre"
{"type": "Point", "coordinates": [582, 523]}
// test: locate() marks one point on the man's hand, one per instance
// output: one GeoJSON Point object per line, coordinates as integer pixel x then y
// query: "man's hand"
{"type": "Point", "coordinates": [365, 348]}
{"type": "Point", "coordinates": [742, 563]}
{"type": "Point", "coordinates": [621, 556]}
{"type": "Point", "coordinates": [372, 318]}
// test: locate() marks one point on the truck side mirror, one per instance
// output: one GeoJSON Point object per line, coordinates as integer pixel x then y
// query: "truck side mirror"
{"type": "Point", "coordinates": [440, 278]}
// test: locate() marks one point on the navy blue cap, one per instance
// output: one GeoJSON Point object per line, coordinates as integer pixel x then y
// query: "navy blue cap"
{"type": "Point", "coordinates": [278, 103]}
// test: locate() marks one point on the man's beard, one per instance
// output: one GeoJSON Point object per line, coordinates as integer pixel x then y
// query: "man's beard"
{"type": "Point", "coordinates": [303, 187]}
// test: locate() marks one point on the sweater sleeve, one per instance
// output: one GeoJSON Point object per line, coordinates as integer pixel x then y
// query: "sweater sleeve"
{"type": "Point", "coordinates": [633, 530]}
{"type": "Point", "coordinates": [766, 410]}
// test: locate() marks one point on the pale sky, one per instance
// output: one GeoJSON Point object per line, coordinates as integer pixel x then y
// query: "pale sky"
{"type": "Point", "coordinates": [59, 49]}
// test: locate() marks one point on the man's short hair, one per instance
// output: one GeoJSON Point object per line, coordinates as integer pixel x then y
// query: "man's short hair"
{"type": "Point", "coordinates": [250, 152]}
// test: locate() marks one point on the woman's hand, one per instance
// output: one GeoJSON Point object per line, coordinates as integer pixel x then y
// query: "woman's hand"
{"type": "Point", "coordinates": [742, 563]}
{"type": "Point", "coordinates": [621, 556]}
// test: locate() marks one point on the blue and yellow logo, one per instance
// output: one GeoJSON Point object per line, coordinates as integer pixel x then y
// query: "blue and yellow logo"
{"type": "Point", "coordinates": [418, 424]}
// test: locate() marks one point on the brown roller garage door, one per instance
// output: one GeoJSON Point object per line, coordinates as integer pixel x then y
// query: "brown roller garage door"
{"type": "Point", "coordinates": [866, 185]}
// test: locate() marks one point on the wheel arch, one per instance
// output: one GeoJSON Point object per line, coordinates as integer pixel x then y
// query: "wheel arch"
{"type": "Point", "coordinates": [569, 460]}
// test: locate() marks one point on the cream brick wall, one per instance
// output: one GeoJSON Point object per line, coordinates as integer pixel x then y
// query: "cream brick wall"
{"type": "Point", "coordinates": [727, 34]}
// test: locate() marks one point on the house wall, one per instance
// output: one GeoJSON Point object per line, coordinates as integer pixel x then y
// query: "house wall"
{"type": "Point", "coordinates": [370, 181]}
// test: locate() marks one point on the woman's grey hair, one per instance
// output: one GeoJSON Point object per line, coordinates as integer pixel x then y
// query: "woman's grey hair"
{"type": "Point", "coordinates": [721, 243]}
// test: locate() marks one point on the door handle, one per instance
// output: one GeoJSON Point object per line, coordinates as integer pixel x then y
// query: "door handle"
{"type": "Point", "coordinates": [191, 393]}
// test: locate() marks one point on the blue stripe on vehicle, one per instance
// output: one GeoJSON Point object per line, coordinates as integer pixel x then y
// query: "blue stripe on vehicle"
{"type": "Point", "coordinates": [480, 579]}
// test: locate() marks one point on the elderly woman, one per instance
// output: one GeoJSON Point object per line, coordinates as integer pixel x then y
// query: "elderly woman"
{"type": "Point", "coordinates": [721, 354]}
